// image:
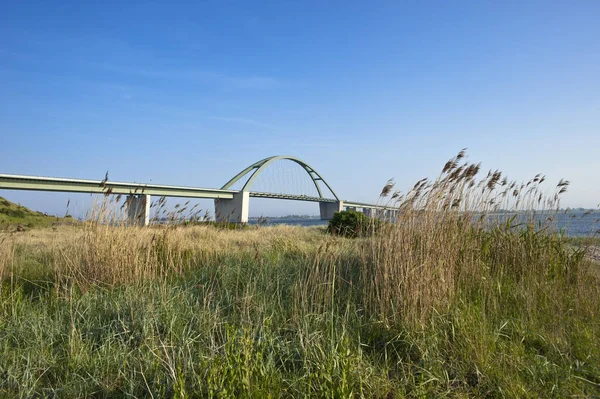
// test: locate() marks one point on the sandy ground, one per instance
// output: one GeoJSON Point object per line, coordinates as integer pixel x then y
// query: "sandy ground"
{"type": "Point", "coordinates": [594, 253]}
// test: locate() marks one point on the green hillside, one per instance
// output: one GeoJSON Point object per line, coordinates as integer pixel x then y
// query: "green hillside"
{"type": "Point", "coordinates": [19, 217]}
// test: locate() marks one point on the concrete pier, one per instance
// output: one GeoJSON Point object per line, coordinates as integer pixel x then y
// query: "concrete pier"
{"type": "Point", "coordinates": [233, 210]}
{"type": "Point", "coordinates": [138, 209]}
{"type": "Point", "coordinates": [329, 208]}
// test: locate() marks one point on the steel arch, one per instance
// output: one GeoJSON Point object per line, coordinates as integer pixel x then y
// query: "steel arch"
{"type": "Point", "coordinates": [263, 163]}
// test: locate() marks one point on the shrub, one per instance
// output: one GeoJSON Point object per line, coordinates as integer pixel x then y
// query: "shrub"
{"type": "Point", "coordinates": [15, 213]}
{"type": "Point", "coordinates": [350, 224]}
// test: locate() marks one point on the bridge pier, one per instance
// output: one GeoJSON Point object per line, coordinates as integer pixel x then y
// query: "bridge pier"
{"type": "Point", "coordinates": [329, 208]}
{"type": "Point", "coordinates": [368, 212]}
{"type": "Point", "coordinates": [233, 210]}
{"type": "Point", "coordinates": [390, 214]}
{"type": "Point", "coordinates": [138, 209]}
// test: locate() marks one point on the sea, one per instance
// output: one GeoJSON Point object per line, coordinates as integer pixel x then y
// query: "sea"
{"type": "Point", "coordinates": [579, 223]}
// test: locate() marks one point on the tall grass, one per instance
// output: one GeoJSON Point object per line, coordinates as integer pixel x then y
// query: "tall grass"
{"type": "Point", "coordinates": [6, 256]}
{"type": "Point", "coordinates": [457, 235]}
{"type": "Point", "coordinates": [450, 299]}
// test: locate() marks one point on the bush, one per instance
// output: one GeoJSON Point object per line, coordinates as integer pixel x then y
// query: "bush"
{"type": "Point", "coordinates": [15, 213]}
{"type": "Point", "coordinates": [351, 224]}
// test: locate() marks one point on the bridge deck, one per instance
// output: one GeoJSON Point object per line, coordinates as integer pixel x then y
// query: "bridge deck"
{"type": "Point", "coordinates": [353, 204]}
{"type": "Point", "coordinates": [39, 183]}
{"type": "Point", "coordinates": [290, 197]}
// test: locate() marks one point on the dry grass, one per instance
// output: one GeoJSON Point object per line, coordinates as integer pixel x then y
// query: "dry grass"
{"type": "Point", "coordinates": [453, 299]}
{"type": "Point", "coordinates": [6, 256]}
{"type": "Point", "coordinates": [457, 234]}
{"type": "Point", "coordinates": [107, 254]}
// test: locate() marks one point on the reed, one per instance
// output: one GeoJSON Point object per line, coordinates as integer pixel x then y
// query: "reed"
{"type": "Point", "coordinates": [454, 234]}
{"type": "Point", "coordinates": [453, 298]}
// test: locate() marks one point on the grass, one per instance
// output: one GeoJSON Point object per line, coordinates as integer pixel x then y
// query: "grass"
{"type": "Point", "coordinates": [18, 217]}
{"type": "Point", "coordinates": [440, 304]}
{"type": "Point", "coordinates": [585, 241]}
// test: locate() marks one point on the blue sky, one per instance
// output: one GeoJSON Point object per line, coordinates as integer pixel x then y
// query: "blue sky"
{"type": "Point", "coordinates": [190, 93]}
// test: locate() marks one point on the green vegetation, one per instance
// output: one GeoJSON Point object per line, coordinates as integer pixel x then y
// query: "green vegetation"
{"type": "Point", "coordinates": [13, 216]}
{"type": "Point", "coordinates": [585, 241]}
{"type": "Point", "coordinates": [435, 305]}
{"type": "Point", "coordinates": [352, 224]}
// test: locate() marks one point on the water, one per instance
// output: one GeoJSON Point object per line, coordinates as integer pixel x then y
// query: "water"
{"type": "Point", "coordinates": [292, 221]}
{"type": "Point", "coordinates": [579, 225]}
{"type": "Point", "coordinates": [574, 223]}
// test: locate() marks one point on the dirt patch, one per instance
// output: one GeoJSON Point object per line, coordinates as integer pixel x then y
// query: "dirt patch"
{"type": "Point", "coordinates": [593, 253]}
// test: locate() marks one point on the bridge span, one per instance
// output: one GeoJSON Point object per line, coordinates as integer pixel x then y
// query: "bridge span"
{"type": "Point", "coordinates": [230, 205]}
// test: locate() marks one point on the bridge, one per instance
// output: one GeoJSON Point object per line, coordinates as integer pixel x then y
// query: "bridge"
{"type": "Point", "coordinates": [231, 205]}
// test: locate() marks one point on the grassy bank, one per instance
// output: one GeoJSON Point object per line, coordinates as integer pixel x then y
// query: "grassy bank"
{"type": "Point", "coordinates": [440, 304]}
{"type": "Point", "coordinates": [18, 217]}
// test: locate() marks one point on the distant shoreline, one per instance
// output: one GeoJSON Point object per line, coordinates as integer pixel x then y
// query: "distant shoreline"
{"type": "Point", "coordinates": [287, 217]}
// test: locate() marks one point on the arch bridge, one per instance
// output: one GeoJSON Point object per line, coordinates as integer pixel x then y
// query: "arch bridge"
{"type": "Point", "coordinates": [230, 204]}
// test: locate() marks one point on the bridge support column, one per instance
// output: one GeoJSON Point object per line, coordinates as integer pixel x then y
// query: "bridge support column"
{"type": "Point", "coordinates": [233, 210]}
{"type": "Point", "coordinates": [138, 209]}
{"type": "Point", "coordinates": [390, 214]}
{"type": "Point", "coordinates": [329, 208]}
{"type": "Point", "coordinates": [368, 212]}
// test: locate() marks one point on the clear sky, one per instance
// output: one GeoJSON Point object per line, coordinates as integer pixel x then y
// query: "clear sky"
{"type": "Point", "coordinates": [190, 93]}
